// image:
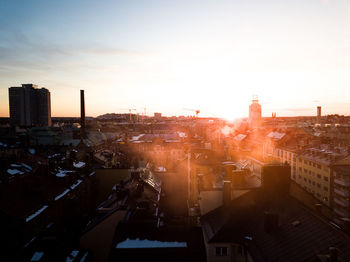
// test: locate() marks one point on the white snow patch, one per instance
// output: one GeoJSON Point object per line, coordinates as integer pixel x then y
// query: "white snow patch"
{"type": "Point", "coordinates": [79, 164]}
{"type": "Point", "coordinates": [76, 184]}
{"type": "Point", "coordinates": [36, 213]}
{"type": "Point", "coordinates": [63, 173]}
{"type": "Point", "coordinates": [145, 243]}
{"type": "Point", "coordinates": [161, 169]}
{"type": "Point", "coordinates": [31, 150]}
{"type": "Point", "coordinates": [27, 167]}
{"type": "Point", "coordinates": [14, 172]}
{"type": "Point", "coordinates": [72, 256]}
{"type": "Point", "coordinates": [37, 256]}
{"type": "Point", "coordinates": [62, 194]}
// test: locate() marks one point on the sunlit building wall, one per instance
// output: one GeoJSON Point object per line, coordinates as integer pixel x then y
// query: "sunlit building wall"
{"type": "Point", "coordinates": [255, 113]}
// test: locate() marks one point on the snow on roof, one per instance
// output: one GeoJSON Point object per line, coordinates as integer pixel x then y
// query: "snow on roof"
{"type": "Point", "coordinates": [15, 165]}
{"type": "Point", "coordinates": [276, 135]}
{"type": "Point", "coordinates": [31, 150]}
{"type": "Point", "coordinates": [63, 173]}
{"type": "Point", "coordinates": [135, 138]}
{"type": "Point", "coordinates": [36, 213]}
{"type": "Point", "coordinates": [76, 184]}
{"type": "Point", "coordinates": [145, 243]}
{"type": "Point", "coordinates": [65, 192]}
{"type": "Point", "coordinates": [27, 167]}
{"type": "Point", "coordinates": [37, 256]}
{"type": "Point", "coordinates": [161, 169]}
{"type": "Point", "coordinates": [14, 172]}
{"type": "Point", "coordinates": [79, 164]}
{"type": "Point", "coordinates": [92, 173]}
{"type": "Point", "coordinates": [84, 257]}
{"type": "Point", "coordinates": [54, 155]}
{"type": "Point", "coordinates": [239, 137]}
{"type": "Point", "coordinates": [72, 256]}
{"type": "Point", "coordinates": [181, 134]}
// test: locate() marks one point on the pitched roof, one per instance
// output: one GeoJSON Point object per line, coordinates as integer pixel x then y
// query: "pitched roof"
{"type": "Point", "coordinates": [243, 222]}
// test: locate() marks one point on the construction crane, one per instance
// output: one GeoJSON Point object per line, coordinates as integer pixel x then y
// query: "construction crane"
{"type": "Point", "coordinates": [129, 109]}
{"type": "Point", "coordinates": [197, 111]}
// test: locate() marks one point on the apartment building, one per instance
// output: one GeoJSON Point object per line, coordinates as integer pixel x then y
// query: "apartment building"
{"type": "Point", "coordinates": [341, 191]}
{"type": "Point", "coordinates": [29, 106]}
{"type": "Point", "coordinates": [315, 169]}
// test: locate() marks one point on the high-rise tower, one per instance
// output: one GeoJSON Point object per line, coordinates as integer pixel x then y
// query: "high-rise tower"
{"type": "Point", "coordinates": [29, 106]}
{"type": "Point", "coordinates": [318, 114]}
{"type": "Point", "coordinates": [255, 113]}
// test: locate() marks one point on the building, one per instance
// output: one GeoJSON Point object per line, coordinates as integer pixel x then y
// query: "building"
{"type": "Point", "coordinates": [268, 224]}
{"type": "Point", "coordinates": [29, 106]}
{"type": "Point", "coordinates": [158, 116]}
{"type": "Point", "coordinates": [255, 113]}
{"type": "Point", "coordinates": [318, 114]}
{"type": "Point", "coordinates": [315, 171]}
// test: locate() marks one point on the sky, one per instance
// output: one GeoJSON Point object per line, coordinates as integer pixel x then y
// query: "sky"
{"type": "Point", "coordinates": [166, 56]}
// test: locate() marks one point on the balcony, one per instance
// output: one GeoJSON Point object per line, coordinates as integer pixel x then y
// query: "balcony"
{"type": "Point", "coordinates": [341, 202]}
{"type": "Point", "coordinates": [341, 212]}
{"type": "Point", "coordinates": [341, 182]}
{"type": "Point", "coordinates": [342, 192]}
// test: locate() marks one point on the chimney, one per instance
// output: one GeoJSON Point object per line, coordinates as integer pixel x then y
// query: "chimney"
{"type": "Point", "coordinates": [82, 109]}
{"type": "Point", "coordinates": [270, 221]}
{"type": "Point", "coordinates": [226, 193]}
{"type": "Point", "coordinates": [275, 180]}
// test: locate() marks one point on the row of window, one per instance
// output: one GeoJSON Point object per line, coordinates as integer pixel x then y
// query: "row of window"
{"type": "Point", "coordinates": [325, 178]}
{"type": "Point", "coordinates": [317, 194]}
{"type": "Point", "coordinates": [314, 183]}
{"type": "Point", "coordinates": [223, 251]}
{"type": "Point", "coordinates": [310, 163]}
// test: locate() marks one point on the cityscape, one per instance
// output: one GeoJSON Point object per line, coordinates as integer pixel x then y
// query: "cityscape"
{"type": "Point", "coordinates": [119, 152]}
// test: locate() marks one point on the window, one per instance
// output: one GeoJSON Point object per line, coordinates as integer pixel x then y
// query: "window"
{"type": "Point", "coordinates": [318, 166]}
{"type": "Point", "coordinates": [325, 188]}
{"type": "Point", "coordinates": [325, 178]}
{"type": "Point", "coordinates": [318, 185]}
{"type": "Point", "coordinates": [221, 251]}
{"type": "Point", "coordinates": [318, 176]}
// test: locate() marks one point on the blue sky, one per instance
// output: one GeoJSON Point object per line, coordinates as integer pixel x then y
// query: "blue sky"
{"type": "Point", "coordinates": [170, 55]}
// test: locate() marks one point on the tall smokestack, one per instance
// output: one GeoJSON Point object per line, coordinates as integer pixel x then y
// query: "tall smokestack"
{"type": "Point", "coordinates": [82, 109]}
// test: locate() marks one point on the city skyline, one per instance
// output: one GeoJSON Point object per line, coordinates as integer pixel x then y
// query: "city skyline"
{"type": "Point", "coordinates": [167, 56]}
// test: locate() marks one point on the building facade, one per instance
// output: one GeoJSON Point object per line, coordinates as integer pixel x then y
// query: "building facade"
{"type": "Point", "coordinates": [255, 113]}
{"type": "Point", "coordinates": [29, 106]}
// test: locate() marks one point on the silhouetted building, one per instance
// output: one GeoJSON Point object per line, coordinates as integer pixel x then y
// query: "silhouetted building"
{"type": "Point", "coordinates": [255, 113]}
{"type": "Point", "coordinates": [158, 116]}
{"type": "Point", "coordinates": [29, 106]}
{"type": "Point", "coordinates": [318, 114]}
